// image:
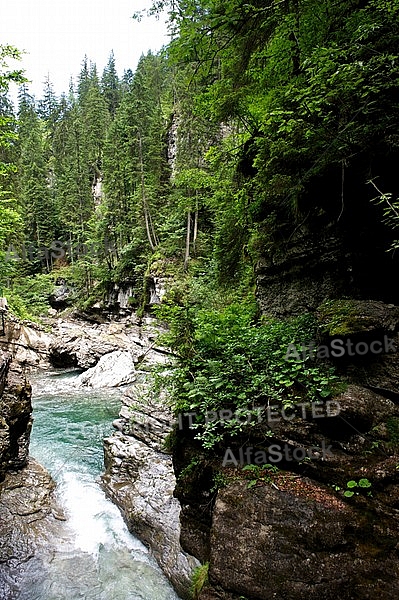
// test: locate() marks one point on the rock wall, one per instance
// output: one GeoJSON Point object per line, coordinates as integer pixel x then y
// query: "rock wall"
{"type": "Point", "coordinates": [29, 525]}
{"type": "Point", "coordinates": [315, 262]}
{"type": "Point", "coordinates": [15, 416]}
{"type": "Point", "coordinates": [294, 534]}
{"type": "Point", "coordinates": [28, 512]}
{"type": "Point", "coordinates": [28, 343]}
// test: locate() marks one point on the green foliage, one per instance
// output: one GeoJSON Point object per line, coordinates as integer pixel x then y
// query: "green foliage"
{"type": "Point", "coordinates": [390, 214]}
{"type": "Point", "coordinates": [29, 296]}
{"type": "Point", "coordinates": [199, 579]}
{"type": "Point", "coordinates": [261, 474]}
{"type": "Point", "coordinates": [219, 481]}
{"type": "Point", "coordinates": [190, 468]}
{"type": "Point", "coordinates": [10, 217]}
{"type": "Point", "coordinates": [362, 484]}
{"type": "Point", "coordinates": [393, 430]}
{"type": "Point", "coordinates": [226, 361]}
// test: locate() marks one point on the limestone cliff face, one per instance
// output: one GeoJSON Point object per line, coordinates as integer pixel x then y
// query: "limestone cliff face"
{"type": "Point", "coordinates": [15, 416]}
{"type": "Point", "coordinates": [304, 266]}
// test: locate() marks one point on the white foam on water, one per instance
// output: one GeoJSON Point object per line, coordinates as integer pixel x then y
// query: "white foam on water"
{"type": "Point", "coordinates": [95, 521]}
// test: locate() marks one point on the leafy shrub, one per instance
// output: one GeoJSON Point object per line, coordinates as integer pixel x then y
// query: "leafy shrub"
{"type": "Point", "coordinates": [351, 485]}
{"type": "Point", "coordinates": [260, 474]}
{"type": "Point", "coordinates": [228, 362]}
{"type": "Point", "coordinates": [29, 297]}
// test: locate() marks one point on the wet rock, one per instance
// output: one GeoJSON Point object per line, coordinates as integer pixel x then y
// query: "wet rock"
{"type": "Point", "coordinates": [140, 479]}
{"type": "Point", "coordinates": [146, 415]}
{"type": "Point", "coordinates": [302, 267]}
{"type": "Point", "coordinates": [141, 482]}
{"type": "Point", "coordinates": [15, 416]}
{"type": "Point", "coordinates": [360, 410]}
{"type": "Point", "coordinates": [61, 296]}
{"type": "Point", "coordinates": [78, 345]}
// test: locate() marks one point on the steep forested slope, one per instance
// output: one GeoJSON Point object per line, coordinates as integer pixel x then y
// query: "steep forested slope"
{"type": "Point", "coordinates": [253, 158]}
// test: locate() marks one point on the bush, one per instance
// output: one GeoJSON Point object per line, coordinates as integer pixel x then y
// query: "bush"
{"type": "Point", "coordinates": [29, 297]}
{"type": "Point", "coordinates": [226, 361]}
{"type": "Point", "coordinates": [200, 578]}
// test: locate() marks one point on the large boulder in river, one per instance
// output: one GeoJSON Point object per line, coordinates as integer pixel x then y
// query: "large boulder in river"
{"type": "Point", "coordinates": [112, 370]}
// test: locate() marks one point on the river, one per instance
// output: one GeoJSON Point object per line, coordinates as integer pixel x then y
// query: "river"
{"type": "Point", "coordinates": [97, 559]}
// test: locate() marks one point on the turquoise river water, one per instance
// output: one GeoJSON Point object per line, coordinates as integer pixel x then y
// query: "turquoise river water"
{"type": "Point", "coordinates": [97, 559]}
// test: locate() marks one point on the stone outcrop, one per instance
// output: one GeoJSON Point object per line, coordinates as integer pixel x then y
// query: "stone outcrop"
{"type": "Point", "coordinates": [314, 262]}
{"type": "Point", "coordinates": [77, 343]}
{"type": "Point", "coordinates": [299, 541]}
{"type": "Point", "coordinates": [29, 524]}
{"type": "Point", "coordinates": [15, 416]}
{"type": "Point", "coordinates": [139, 478]}
{"type": "Point", "coordinates": [28, 343]}
{"type": "Point", "coordinates": [295, 534]}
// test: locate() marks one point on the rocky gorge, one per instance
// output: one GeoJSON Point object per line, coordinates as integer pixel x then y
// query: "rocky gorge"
{"type": "Point", "coordinates": [291, 534]}
{"type": "Point", "coordinates": [113, 354]}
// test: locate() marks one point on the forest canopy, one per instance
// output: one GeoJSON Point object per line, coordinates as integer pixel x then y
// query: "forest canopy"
{"type": "Point", "coordinates": [256, 117]}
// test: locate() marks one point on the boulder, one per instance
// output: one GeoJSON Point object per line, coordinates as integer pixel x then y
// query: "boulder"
{"type": "Point", "coordinates": [30, 524]}
{"type": "Point", "coordinates": [28, 342]}
{"type": "Point", "coordinates": [112, 370]}
{"type": "Point", "coordinates": [299, 542]}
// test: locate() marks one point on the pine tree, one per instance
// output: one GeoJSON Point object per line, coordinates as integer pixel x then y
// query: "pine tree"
{"type": "Point", "coordinates": [110, 86]}
{"type": "Point", "coordinates": [40, 212]}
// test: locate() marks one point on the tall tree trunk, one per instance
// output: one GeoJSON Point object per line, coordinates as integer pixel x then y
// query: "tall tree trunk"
{"type": "Point", "coordinates": [147, 216]}
{"type": "Point", "coordinates": [296, 50]}
{"type": "Point", "coordinates": [195, 233]}
{"type": "Point", "coordinates": [188, 232]}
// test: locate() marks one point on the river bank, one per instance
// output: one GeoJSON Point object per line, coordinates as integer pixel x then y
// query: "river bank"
{"type": "Point", "coordinates": [189, 510]}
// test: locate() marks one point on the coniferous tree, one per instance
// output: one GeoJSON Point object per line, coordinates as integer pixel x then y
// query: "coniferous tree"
{"type": "Point", "coordinates": [110, 86]}
{"type": "Point", "coordinates": [11, 224]}
{"type": "Point", "coordinates": [34, 181]}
